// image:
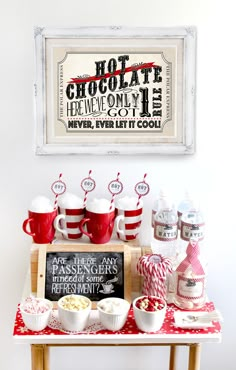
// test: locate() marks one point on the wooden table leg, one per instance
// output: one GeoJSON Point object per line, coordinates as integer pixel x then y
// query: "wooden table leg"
{"type": "Point", "coordinates": [173, 352]}
{"type": "Point", "coordinates": [39, 357]}
{"type": "Point", "coordinates": [194, 356]}
{"type": "Point", "coordinates": [46, 357]}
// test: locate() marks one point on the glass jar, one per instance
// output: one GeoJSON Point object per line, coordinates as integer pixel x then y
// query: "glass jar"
{"type": "Point", "coordinates": [190, 279]}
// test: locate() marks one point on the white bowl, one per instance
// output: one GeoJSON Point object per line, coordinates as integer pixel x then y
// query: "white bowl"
{"type": "Point", "coordinates": [73, 319]}
{"type": "Point", "coordinates": [149, 321]}
{"type": "Point", "coordinates": [36, 321]}
{"type": "Point", "coordinates": [113, 312]}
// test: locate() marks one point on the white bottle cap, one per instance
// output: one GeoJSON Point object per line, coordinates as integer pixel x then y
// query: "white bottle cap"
{"type": "Point", "coordinates": [166, 204]}
{"type": "Point", "coordinates": [162, 193]}
{"type": "Point", "coordinates": [187, 195]}
{"type": "Point", "coordinates": [195, 204]}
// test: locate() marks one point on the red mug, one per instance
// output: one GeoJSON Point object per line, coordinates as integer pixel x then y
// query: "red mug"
{"type": "Point", "coordinates": [99, 226]}
{"type": "Point", "coordinates": [40, 226]}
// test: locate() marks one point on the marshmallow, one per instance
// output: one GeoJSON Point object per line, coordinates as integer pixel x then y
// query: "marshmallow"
{"type": "Point", "coordinates": [99, 206]}
{"type": "Point", "coordinates": [41, 204]}
{"type": "Point", "coordinates": [112, 306]}
{"type": "Point", "coordinates": [70, 201]}
{"type": "Point", "coordinates": [128, 203]}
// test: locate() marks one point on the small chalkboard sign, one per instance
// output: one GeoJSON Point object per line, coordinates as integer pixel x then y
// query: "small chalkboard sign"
{"type": "Point", "coordinates": [96, 272]}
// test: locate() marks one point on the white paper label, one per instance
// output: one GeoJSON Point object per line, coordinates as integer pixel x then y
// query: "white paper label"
{"type": "Point", "coordinates": [165, 232]}
{"type": "Point", "coordinates": [190, 288]}
{"type": "Point", "coordinates": [189, 231]}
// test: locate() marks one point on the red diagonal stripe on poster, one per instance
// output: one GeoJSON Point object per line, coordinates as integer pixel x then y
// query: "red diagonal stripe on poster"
{"type": "Point", "coordinates": [116, 73]}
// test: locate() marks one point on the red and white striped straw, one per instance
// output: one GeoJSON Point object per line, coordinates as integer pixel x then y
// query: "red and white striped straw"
{"type": "Point", "coordinates": [86, 192]}
{"type": "Point", "coordinates": [113, 194]}
{"type": "Point", "coordinates": [139, 197]}
{"type": "Point", "coordinates": [56, 197]}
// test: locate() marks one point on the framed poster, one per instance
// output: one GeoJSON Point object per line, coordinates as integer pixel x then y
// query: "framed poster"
{"type": "Point", "coordinates": [115, 90]}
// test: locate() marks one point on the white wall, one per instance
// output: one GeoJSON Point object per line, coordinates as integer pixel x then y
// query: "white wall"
{"type": "Point", "coordinates": [210, 171]}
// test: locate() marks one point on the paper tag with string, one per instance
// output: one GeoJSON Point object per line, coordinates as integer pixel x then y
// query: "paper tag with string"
{"type": "Point", "coordinates": [115, 187]}
{"type": "Point", "coordinates": [58, 188]}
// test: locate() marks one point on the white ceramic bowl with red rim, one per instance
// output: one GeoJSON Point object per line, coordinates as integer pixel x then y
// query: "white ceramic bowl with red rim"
{"type": "Point", "coordinates": [73, 319]}
{"type": "Point", "coordinates": [113, 312]}
{"type": "Point", "coordinates": [146, 320]}
{"type": "Point", "coordinates": [39, 320]}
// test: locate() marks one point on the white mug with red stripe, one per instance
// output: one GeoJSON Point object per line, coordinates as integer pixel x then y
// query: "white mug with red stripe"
{"type": "Point", "coordinates": [128, 218]}
{"type": "Point", "coordinates": [70, 212]}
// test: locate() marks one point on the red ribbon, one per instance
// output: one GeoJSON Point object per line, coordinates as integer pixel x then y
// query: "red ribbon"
{"type": "Point", "coordinates": [115, 73]}
{"type": "Point", "coordinates": [191, 259]}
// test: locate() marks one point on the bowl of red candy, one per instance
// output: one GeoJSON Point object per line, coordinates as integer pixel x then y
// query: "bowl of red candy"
{"type": "Point", "coordinates": [149, 313]}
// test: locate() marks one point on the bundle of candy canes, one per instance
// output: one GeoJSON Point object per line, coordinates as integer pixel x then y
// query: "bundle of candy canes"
{"type": "Point", "coordinates": [155, 269]}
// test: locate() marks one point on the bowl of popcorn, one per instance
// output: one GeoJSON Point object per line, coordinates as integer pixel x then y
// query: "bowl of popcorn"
{"type": "Point", "coordinates": [73, 312]}
{"type": "Point", "coordinates": [36, 313]}
{"type": "Point", "coordinates": [113, 312]}
{"type": "Point", "coordinates": [149, 313]}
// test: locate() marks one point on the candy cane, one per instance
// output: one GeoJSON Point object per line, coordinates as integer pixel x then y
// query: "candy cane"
{"type": "Point", "coordinates": [142, 271]}
{"type": "Point", "coordinates": [160, 274]}
{"type": "Point", "coordinates": [154, 268]}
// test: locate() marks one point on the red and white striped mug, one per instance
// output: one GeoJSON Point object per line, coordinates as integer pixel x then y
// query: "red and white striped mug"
{"type": "Point", "coordinates": [128, 218]}
{"type": "Point", "coordinates": [71, 212]}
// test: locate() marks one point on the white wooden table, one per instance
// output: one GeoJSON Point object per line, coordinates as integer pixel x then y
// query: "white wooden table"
{"type": "Point", "coordinates": [96, 335]}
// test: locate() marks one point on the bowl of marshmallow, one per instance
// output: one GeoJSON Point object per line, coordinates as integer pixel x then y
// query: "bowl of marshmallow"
{"type": "Point", "coordinates": [113, 312]}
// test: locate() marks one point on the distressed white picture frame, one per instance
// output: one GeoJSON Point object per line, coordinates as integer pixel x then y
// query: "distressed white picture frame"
{"type": "Point", "coordinates": [115, 66]}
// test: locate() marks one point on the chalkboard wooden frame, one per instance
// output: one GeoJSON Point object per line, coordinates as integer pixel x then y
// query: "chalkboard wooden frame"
{"type": "Point", "coordinates": [96, 271]}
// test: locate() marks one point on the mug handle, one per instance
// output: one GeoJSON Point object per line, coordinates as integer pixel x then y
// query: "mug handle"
{"type": "Point", "coordinates": [57, 225]}
{"type": "Point", "coordinates": [25, 225]}
{"type": "Point", "coordinates": [81, 224]}
{"type": "Point", "coordinates": [117, 225]}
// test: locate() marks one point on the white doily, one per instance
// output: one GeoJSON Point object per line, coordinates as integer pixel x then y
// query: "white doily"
{"type": "Point", "coordinates": [94, 325]}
